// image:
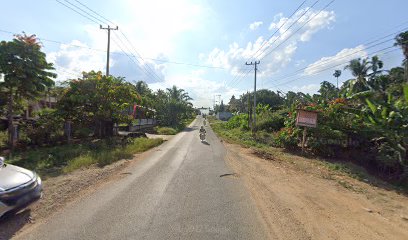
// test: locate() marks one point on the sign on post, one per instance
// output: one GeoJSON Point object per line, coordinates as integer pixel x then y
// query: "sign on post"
{"type": "Point", "coordinates": [306, 119]}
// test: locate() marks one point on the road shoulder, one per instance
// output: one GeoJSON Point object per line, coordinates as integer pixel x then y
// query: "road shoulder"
{"type": "Point", "coordinates": [299, 203]}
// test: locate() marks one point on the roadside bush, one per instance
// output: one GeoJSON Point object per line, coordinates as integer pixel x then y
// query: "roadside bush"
{"type": "Point", "coordinates": [238, 121]}
{"type": "Point", "coordinates": [47, 128]}
{"type": "Point", "coordinates": [165, 130]}
{"type": "Point", "coordinates": [325, 141]}
{"type": "Point", "coordinates": [271, 121]}
{"type": "Point", "coordinates": [287, 138]}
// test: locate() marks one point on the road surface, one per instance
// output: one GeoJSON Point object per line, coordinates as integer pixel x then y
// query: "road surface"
{"type": "Point", "coordinates": [180, 191]}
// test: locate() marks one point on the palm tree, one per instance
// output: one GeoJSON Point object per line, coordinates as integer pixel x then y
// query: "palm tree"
{"type": "Point", "coordinates": [359, 68]}
{"type": "Point", "coordinates": [178, 94]}
{"type": "Point", "coordinates": [402, 41]}
{"type": "Point", "coordinates": [337, 74]}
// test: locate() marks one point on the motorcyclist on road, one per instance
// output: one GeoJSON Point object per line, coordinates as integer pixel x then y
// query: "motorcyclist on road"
{"type": "Point", "coordinates": [202, 130]}
{"type": "Point", "coordinates": [202, 134]}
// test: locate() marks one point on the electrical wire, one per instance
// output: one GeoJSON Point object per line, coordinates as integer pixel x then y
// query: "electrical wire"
{"type": "Point", "coordinates": [331, 67]}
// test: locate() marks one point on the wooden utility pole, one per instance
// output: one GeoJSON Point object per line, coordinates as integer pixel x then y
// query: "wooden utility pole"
{"type": "Point", "coordinates": [107, 53]}
{"type": "Point", "coordinates": [256, 69]}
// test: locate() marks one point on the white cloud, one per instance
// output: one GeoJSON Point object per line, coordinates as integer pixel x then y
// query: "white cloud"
{"type": "Point", "coordinates": [273, 61]}
{"type": "Point", "coordinates": [310, 88]}
{"type": "Point", "coordinates": [70, 61]}
{"type": "Point", "coordinates": [152, 30]}
{"type": "Point", "coordinates": [202, 90]}
{"type": "Point", "coordinates": [156, 24]}
{"type": "Point", "coordinates": [253, 26]}
{"type": "Point", "coordinates": [339, 60]}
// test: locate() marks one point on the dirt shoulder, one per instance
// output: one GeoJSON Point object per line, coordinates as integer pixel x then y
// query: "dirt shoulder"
{"type": "Point", "coordinates": [298, 199]}
{"type": "Point", "coordinates": [62, 190]}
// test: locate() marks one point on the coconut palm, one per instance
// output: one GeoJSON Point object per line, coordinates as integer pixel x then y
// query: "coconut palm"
{"type": "Point", "coordinates": [359, 68]}
{"type": "Point", "coordinates": [402, 41]}
{"type": "Point", "coordinates": [337, 74]}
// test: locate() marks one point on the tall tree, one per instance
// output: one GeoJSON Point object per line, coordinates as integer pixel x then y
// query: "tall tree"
{"type": "Point", "coordinates": [233, 104]}
{"type": "Point", "coordinates": [337, 74]}
{"type": "Point", "coordinates": [402, 41]}
{"type": "Point", "coordinates": [98, 101]}
{"type": "Point", "coordinates": [26, 72]}
{"type": "Point", "coordinates": [328, 91]}
{"type": "Point", "coordinates": [359, 68]}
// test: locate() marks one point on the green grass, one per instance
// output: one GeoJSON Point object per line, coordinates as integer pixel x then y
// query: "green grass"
{"type": "Point", "coordinates": [172, 130]}
{"type": "Point", "coordinates": [165, 130]}
{"type": "Point", "coordinates": [53, 161]}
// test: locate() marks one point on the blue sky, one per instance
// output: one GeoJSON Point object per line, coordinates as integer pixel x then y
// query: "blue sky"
{"type": "Point", "coordinates": [220, 36]}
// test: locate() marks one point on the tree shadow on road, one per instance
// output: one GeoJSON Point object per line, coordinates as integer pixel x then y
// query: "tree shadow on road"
{"type": "Point", "coordinates": [205, 143]}
{"type": "Point", "coordinates": [189, 129]}
{"type": "Point", "coordinates": [11, 223]}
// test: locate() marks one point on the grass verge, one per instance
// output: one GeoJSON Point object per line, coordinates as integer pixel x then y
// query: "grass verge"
{"type": "Point", "coordinates": [302, 162]}
{"type": "Point", "coordinates": [53, 161]}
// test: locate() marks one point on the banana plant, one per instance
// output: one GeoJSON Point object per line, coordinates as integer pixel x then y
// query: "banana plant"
{"type": "Point", "coordinates": [390, 118]}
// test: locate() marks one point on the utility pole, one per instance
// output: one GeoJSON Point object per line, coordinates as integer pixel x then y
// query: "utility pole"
{"type": "Point", "coordinates": [107, 53]}
{"type": "Point", "coordinates": [256, 69]}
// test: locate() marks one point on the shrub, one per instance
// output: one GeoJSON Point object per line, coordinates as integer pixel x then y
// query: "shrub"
{"type": "Point", "coordinates": [271, 121]}
{"type": "Point", "coordinates": [287, 138]}
{"type": "Point", "coordinates": [238, 121]}
{"type": "Point", "coordinates": [47, 128]}
{"type": "Point", "coordinates": [165, 130]}
{"type": "Point", "coordinates": [326, 141]}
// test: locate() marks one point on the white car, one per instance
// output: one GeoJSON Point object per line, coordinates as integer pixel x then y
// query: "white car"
{"type": "Point", "coordinates": [19, 187]}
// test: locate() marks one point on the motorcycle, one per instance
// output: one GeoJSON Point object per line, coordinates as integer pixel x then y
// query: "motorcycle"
{"type": "Point", "coordinates": [202, 136]}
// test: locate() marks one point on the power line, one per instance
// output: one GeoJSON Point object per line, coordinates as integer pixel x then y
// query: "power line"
{"type": "Point", "coordinates": [95, 13]}
{"type": "Point", "coordinates": [88, 15]}
{"type": "Point", "coordinates": [77, 11]}
{"type": "Point", "coordinates": [131, 45]}
{"type": "Point", "coordinates": [107, 20]}
{"type": "Point", "coordinates": [138, 64]}
{"type": "Point", "coordinates": [331, 67]}
{"type": "Point", "coordinates": [296, 21]}
{"type": "Point", "coordinates": [237, 78]}
{"type": "Point", "coordinates": [85, 12]}
{"type": "Point", "coordinates": [283, 24]}
{"type": "Point", "coordinates": [310, 19]}
{"type": "Point", "coordinates": [328, 61]}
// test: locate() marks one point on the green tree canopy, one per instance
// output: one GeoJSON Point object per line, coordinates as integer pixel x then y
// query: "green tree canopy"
{"type": "Point", "coordinates": [26, 72]}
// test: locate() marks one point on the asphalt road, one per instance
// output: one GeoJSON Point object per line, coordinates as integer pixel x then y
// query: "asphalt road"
{"type": "Point", "coordinates": [177, 192]}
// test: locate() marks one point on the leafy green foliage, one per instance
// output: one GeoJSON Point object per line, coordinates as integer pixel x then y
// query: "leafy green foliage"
{"type": "Point", "coordinates": [238, 121]}
{"type": "Point", "coordinates": [173, 106]}
{"type": "Point", "coordinates": [47, 129]}
{"type": "Point", "coordinates": [270, 120]}
{"type": "Point", "coordinates": [49, 161]}
{"type": "Point", "coordinates": [165, 130]}
{"type": "Point", "coordinates": [26, 72]}
{"type": "Point", "coordinates": [97, 101]}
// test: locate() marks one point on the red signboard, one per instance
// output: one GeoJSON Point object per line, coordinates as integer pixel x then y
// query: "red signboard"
{"type": "Point", "coordinates": [306, 118]}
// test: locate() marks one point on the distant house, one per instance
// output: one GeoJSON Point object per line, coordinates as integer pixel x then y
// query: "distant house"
{"type": "Point", "coordinates": [224, 116]}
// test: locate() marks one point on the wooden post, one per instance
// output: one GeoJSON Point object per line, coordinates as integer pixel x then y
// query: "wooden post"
{"type": "Point", "coordinates": [304, 138]}
{"type": "Point", "coordinates": [67, 131]}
